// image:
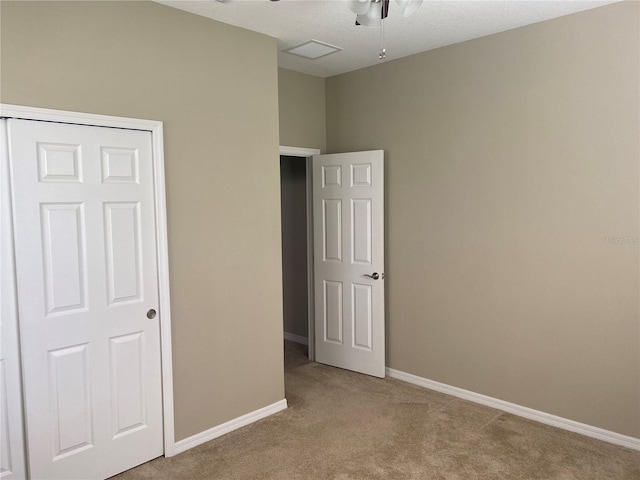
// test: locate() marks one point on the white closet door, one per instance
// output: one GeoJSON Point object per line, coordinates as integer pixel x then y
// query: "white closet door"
{"type": "Point", "coordinates": [87, 283]}
{"type": "Point", "coordinates": [12, 455]}
{"type": "Point", "coordinates": [348, 216]}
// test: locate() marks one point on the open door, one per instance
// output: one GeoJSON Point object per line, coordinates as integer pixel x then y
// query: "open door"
{"type": "Point", "coordinates": [348, 213]}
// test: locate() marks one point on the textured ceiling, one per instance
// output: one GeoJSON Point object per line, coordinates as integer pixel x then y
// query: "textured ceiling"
{"type": "Point", "coordinates": [435, 24]}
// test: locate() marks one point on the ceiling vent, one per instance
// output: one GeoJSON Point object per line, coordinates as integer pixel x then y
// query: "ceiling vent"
{"type": "Point", "coordinates": [313, 50]}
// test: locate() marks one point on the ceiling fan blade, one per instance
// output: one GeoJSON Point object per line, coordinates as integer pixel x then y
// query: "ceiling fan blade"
{"type": "Point", "coordinates": [359, 7]}
{"type": "Point", "coordinates": [408, 7]}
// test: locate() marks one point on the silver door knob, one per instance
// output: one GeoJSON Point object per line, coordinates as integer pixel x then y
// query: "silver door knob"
{"type": "Point", "coordinates": [375, 275]}
{"type": "Point", "coordinates": [151, 314]}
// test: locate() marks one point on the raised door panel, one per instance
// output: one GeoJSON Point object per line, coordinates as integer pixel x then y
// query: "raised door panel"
{"type": "Point", "coordinates": [331, 176]}
{"type": "Point", "coordinates": [333, 308]}
{"type": "Point", "coordinates": [361, 231]}
{"type": "Point", "coordinates": [332, 230]}
{"type": "Point", "coordinates": [360, 174]}
{"type": "Point", "coordinates": [59, 163]}
{"type": "Point", "coordinates": [128, 405]}
{"type": "Point", "coordinates": [120, 165]}
{"type": "Point", "coordinates": [70, 401]}
{"type": "Point", "coordinates": [63, 242]}
{"type": "Point", "coordinates": [361, 316]}
{"type": "Point", "coordinates": [123, 252]}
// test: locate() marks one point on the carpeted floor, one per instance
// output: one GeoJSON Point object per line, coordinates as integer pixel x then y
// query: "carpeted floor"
{"type": "Point", "coordinates": [341, 425]}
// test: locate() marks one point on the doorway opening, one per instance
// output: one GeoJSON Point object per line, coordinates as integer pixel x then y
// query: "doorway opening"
{"type": "Point", "coordinates": [297, 245]}
{"type": "Point", "coordinates": [345, 252]}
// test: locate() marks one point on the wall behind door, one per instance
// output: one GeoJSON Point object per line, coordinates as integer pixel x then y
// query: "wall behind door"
{"type": "Point", "coordinates": [145, 60]}
{"type": "Point", "coordinates": [293, 187]}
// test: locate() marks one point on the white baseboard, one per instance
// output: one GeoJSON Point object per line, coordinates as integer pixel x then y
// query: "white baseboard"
{"type": "Point", "coordinates": [229, 426]}
{"type": "Point", "coordinates": [531, 414]}
{"type": "Point", "coordinates": [296, 338]}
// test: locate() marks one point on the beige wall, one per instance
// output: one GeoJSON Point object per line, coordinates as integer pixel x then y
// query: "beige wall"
{"type": "Point", "coordinates": [508, 159]}
{"type": "Point", "coordinates": [302, 109]}
{"type": "Point", "coordinates": [293, 186]}
{"type": "Point", "coordinates": [220, 113]}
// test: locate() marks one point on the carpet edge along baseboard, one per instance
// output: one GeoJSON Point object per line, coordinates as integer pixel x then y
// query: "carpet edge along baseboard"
{"type": "Point", "coordinates": [519, 410]}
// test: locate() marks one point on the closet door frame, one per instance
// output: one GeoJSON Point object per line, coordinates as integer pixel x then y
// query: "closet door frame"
{"type": "Point", "coordinates": [156, 128]}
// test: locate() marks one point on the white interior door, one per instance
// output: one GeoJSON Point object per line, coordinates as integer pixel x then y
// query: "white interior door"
{"type": "Point", "coordinates": [12, 460]}
{"type": "Point", "coordinates": [348, 216]}
{"type": "Point", "coordinates": [87, 281]}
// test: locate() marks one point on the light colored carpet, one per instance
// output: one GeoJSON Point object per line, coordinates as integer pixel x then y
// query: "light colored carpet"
{"type": "Point", "coordinates": [341, 425]}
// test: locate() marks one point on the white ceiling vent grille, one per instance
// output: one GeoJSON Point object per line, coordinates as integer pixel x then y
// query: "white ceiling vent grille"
{"type": "Point", "coordinates": [313, 49]}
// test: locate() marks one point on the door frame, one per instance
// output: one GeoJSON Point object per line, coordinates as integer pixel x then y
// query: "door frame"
{"type": "Point", "coordinates": [307, 154]}
{"type": "Point", "coordinates": [157, 145]}
{"type": "Point", "coordinates": [10, 341]}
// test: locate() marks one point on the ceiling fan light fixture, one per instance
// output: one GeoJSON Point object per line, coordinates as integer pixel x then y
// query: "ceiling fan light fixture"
{"type": "Point", "coordinates": [376, 12]}
{"type": "Point", "coordinates": [373, 17]}
{"type": "Point", "coordinates": [359, 7]}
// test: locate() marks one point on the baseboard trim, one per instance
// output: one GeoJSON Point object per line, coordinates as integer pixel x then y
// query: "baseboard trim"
{"type": "Point", "coordinates": [542, 417]}
{"type": "Point", "coordinates": [296, 338]}
{"type": "Point", "coordinates": [231, 425]}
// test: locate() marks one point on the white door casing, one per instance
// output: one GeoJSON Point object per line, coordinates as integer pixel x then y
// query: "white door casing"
{"type": "Point", "coordinates": [85, 251]}
{"type": "Point", "coordinates": [12, 451]}
{"type": "Point", "coordinates": [348, 213]}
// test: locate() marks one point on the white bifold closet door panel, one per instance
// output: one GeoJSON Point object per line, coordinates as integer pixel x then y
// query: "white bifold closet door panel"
{"type": "Point", "coordinates": [87, 282]}
{"type": "Point", "coordinates": [348, 217]}
{"type": "Point", "coordinates": [12, 454]}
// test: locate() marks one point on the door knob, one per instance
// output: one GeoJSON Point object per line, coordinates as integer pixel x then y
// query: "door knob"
{"type": "Point", "coordinates": [375, 275]}
{"type": "Point", "coordinates": [151, 314]}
